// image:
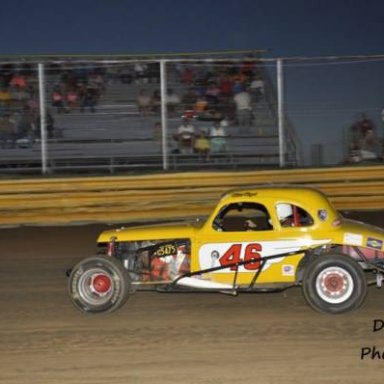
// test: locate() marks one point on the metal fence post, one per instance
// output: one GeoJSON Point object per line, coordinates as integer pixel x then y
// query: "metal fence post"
{"type": "Point", "coordinates": [164, 123]}
{"type": "Point", "coordinates": [42, 110]}
{"type": "Point", "coordinates": [280, 112]}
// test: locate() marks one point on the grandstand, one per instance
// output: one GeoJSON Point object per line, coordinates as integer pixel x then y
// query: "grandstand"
{"type": "Point", "coordinates": [117, 136]}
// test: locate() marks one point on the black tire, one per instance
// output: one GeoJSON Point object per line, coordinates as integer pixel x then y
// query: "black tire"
{"type": "Point", "coordinates": [334, 283]}
{"type": "Point", "coordinates": [99, 284]}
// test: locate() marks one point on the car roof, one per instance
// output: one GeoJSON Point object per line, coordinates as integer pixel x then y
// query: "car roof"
{"type": "Point", "coordinates": [299, 194]}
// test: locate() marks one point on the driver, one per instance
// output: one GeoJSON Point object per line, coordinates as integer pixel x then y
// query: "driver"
{"type": "Point", "coordinates": [285, 214]}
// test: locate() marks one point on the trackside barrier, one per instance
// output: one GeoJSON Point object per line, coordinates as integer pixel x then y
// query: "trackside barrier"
{"type": "Point", "coordinates": [170, 196]}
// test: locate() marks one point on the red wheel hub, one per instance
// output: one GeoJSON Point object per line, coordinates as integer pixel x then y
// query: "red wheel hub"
{"type": "Point", "coordinates": [101, 283]}
{"type": "Point", "coordinates": [334, 282]}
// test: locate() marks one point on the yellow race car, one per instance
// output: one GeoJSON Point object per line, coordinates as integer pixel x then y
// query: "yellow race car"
{"type": "Point", "coordinates": [256, 240]}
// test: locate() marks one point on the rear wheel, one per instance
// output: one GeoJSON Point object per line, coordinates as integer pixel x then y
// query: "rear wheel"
{"type": "Point", "coordinates": [334, 284]}
{"type": "Point", "coordinates": [99, 284]}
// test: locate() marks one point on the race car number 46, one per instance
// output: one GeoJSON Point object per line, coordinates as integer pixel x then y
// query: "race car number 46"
{"type": "Point", "coordinates": [251, 256]}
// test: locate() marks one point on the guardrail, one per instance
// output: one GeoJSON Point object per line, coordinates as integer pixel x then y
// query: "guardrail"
{"type": "Point", "coordinates": [170, 196]}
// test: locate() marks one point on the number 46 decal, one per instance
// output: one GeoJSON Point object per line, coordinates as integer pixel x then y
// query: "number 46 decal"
{"type": "Point", "coordinates": [234, 255]}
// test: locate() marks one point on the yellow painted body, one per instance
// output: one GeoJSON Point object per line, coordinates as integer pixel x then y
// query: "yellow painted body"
{"type": "Point", "coordinates": [207, 242]}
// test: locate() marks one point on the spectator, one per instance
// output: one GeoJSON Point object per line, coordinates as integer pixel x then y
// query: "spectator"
{"type": "Point", "coordinates": [369, 145]}
{"type": "Point", "coordinates": [140, 73]}
{"type": "Point", "coordinates": [156, 101]}
{"type": "Point", "coordinates": [189, 99]}
{"type": "Point", "coordinates": [97, 80]}
{"type": "Point", "coordinates": [72, 98]}
{"type": "Point", "coordinates": [5, 99]}
{"type": "Point", "coordinates": [248, 67]}
{"type": "Point", "coordinates": [125, 75]}
{"type": "Point", "coordinates": [153, 72]}
{"type": "Point", "coordinates": [201, 105]}
{"type": "Point", "coordinates": [212, 93]}
{"type": "Point", "coordinates": [218, 137]}
{"type": "Point", "coordinates": [185, 137]}
{"type": "Point", "coordinates": [19, 96]}
{"type": "Point", "coordinates": [173, 102]}
{"type": "Point", "coordinates": [7, 132]}
{"type": "Point", "coordinates": [358, 130]}
{"type": "Point", "coordinates": [89, 99]}
{"type": "Point", "coordinates": [18, 80]}
{"type": "Point", "coordinates": [144, 102]}
{"type": "Point", "coordinates": [187, 76]}
{"type": "Point", "coordinates": [257, 88]}
{"type": "Point", "coordinates": [239, 81]}
{"type": "Point", "coordinates": [362, 125]}
{"type": "Point", "coordinates": [157, 131]}
{"type": "Point", "coordinates": [57, 100]}
{"type": "Point", "coordinates": [243, 110]}
{"type": "Point", "coordinates": [225, 86]}
{"type": "Point", "coordinates": [25, 126]}
{"type": "Point", "coordinates": [202, 145]}
{"type": "Point", "coordinates": [33, 104]}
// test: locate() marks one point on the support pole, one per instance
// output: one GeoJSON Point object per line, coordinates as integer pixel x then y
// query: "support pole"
{"type": "Point", "coordinates": [42, 109]}
{"type": "Point", "coordinates": [164, 122]}
{"type": "Point", "coordinates": [280, 112]}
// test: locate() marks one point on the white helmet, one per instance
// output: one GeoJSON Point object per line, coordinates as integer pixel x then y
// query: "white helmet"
{"type": "Point", "coordinates": [284, 210]}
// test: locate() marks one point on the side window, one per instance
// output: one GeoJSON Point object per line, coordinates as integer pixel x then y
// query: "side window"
{"type": "Point", "coordinates": [290, 215]}
{"type": "Point", "coordinates": [240, 217]}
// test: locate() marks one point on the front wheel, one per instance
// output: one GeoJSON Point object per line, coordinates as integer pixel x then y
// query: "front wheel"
{"type": "Point", "coordinates": [334, 284]}
{"type": "Point", "coordinates": [99, 284]}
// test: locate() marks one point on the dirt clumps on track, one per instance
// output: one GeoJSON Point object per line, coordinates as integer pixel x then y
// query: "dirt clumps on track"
{"type": "Point", "coordinates": [168, 338]}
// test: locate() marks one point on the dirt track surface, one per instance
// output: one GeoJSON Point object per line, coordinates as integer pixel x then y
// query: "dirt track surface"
{"type": "Point", "coordinates": [167, 338]}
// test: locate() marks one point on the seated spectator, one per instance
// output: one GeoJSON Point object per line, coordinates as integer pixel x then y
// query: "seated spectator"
{"type": "Point", "coordinates": [239, 78]}
{"type": "Point", "coordinates": [57, 100]}
{"type": "Point", "coordinates": [201, 105]}
{"type": "Point", "coordinates": [362, 125]}
{"type": "Point", "coordinates": [18, 80]}
{"type": "Point", "coordinates": [173, 101]}
{"type": "Point", "coordinates": [5, 98]}
{"type": "Point", "coordinates": [153, 73]}
{"type": "Point", "coordinates": [89, 99]}
{"type": "Point", "coordinates": [218, 140]}
{"type": "Point", "coordinates": [125, 75]}
{"type": "Point", "coordinates": [157, 131]}
{"type": "Point", "coordinates": [369, 146]}
{"type": "Point", "coordinates": [212, 94]}
{"type": "Point", "coordinates": [185, 137]}
{"type": "Point", "coordinates": [25, 126]}
{"type": "Point", "coordinates": [8, 132]}
{"type": "Point", "coordinates": [225, 86]}
{"type": "Point", "coordinates": [156, 101]}
{"type": "Point", "coordinates": [144, 102]}
{"type": "Point", "coordinates": [257, 89]}
{"type": "Point", "coordinates": [72, 99]}
{"type": "Point", "coordinates": [140, 75]}
{"type": "Point", "coordinates": [202, 145]}
{"type": "Point", "coordinates": [189, 99]}
{"type": "Point", "coordinates": [248, 67]}
{"type": "Point", "coordinates": [187, 76]}
{"type": "Point", "coordinates": [19, 96]}
{"type": "Point", "coordinates": [32, 104]}
{"type": "Point", "coordinates": [98, 81]}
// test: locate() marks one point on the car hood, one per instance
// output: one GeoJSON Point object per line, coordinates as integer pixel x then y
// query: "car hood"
{"type": "Point", "coordinates": [150, 232]}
